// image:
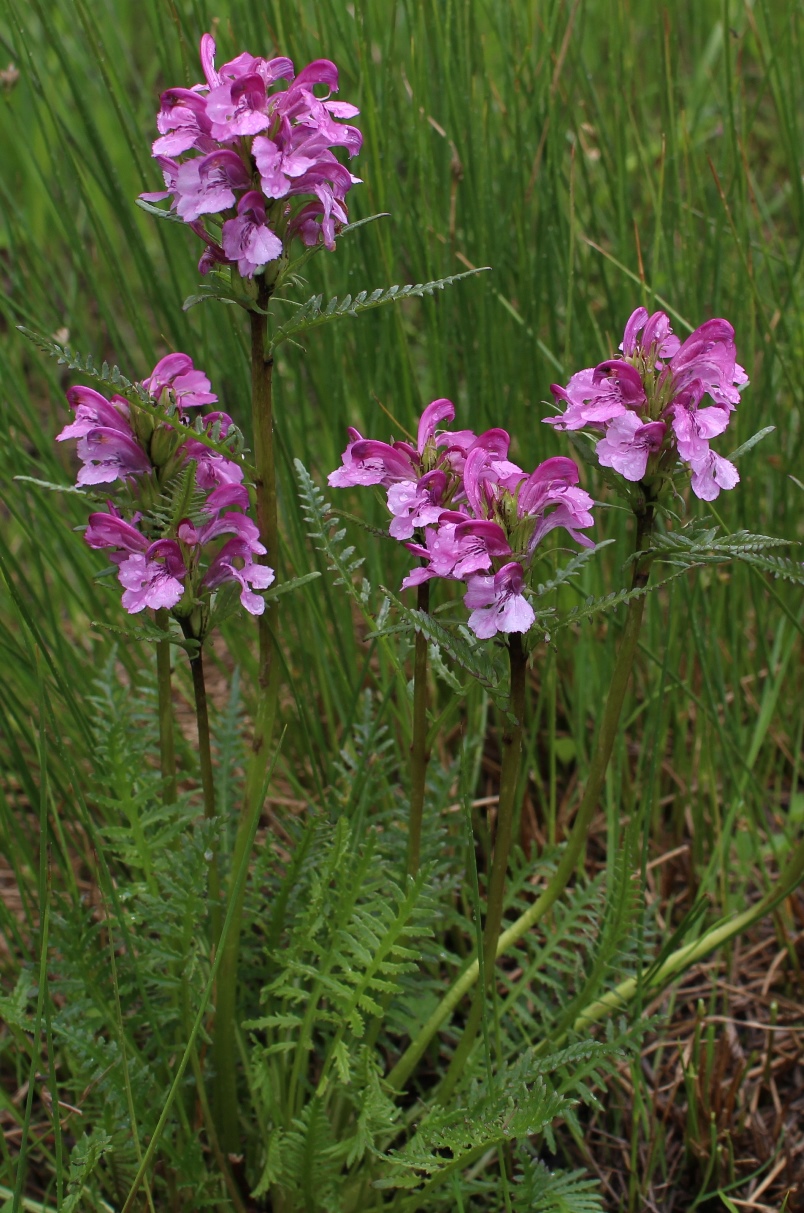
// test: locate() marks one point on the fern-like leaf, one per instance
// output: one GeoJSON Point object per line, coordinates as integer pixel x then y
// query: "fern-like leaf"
{"type": "Point", "coordinates": [112, 377]}
{"type": "Point", "coordinates": [594, 606]}
{"type": "Point", "coordinates": [315, 312]}
{"type": "Point", "coordinates": [475, 658]}
{"type": "Point", "coordinates": [543, 1191]}
{"type": "Point", "coordinates": [778, 566]}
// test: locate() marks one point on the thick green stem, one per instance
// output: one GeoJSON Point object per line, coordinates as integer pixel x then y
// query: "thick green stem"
{"type": "Point", "coordinates": [654, 980]}
{"type": "Point", "coordinates": [509, 778]}
{"type": "Point", "coordinates": [418, 750]}
{"type": "Point", "coordinates": [224, 1044]}
{"type": "Point", "coordinates": [577, 839]}
{"type": "Point", "coordinates": [167, 748]}
{"type": "Point", "coordinates": [207, 787]}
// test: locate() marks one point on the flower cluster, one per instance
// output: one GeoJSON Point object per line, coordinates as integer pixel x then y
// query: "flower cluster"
{"type": "Point", "coordinates": [262, 160]}
{"type": "Point", "coordinates": [647, 403]}
{"type": "Point", "coordinates": [188, 532]}
{"type": "Point", "coordinates": [481, 516]}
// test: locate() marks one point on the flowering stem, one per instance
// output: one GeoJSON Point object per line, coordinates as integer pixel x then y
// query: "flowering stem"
{"type": "Point", "coordinates": [207, 787]}
{"type": "Point", "coordinates": [267, 522]}
{"type": "Point", "coordinates": [577, 839]}
{"type": "Point", "coordinates": [167, 749]}
{"type": "Point", "coordinates": [224, 1044]}
{"type": "Point", "coordinates": [509, 777]}
{"type": "Point", "coordinates": [418, 749]}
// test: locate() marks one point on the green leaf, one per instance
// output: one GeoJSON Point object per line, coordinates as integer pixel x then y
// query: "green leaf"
{"type": "Point", "coordinates": [222, 294]}
{"type": "Point", "coordinates": [608, 602]}
{"type": "Point", "coordinates": [472, 657]}
{"type": "Point", "coordinates": [779, 566]}
{"type": "Point", "coordinates": [149, 634]}
{"type": "Point", "coordinates": [53, 488]}
{"type": "Point", "coordinates": [752, 442]}
{"type": "Point", "coordinates": [157, 211]}
{"type": "Point", "coordinates": [286, 586]}
{"type": "Point", "coordinates": [314, 312]}
{"type": "Point", "coordinates": [113, 377]}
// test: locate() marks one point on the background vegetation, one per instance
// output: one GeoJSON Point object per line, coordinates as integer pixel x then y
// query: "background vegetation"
{"type": "Point", "coordinates": [598, 155]}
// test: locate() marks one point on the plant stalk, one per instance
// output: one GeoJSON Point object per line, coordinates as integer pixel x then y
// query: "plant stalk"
{"type": "Point", "coordinates": [509, 778]}
{"type": "Point", "coordinates": [419, 756]}
{"type": "Point", "coordinates": [577, 839]}
{"type": "Point", "coordinates": [654, 980]}
{"type": "Point", "coordinates": [224, 1044]}
{"type": "Point", "coordinates": [207, 787]}
{"type": "Point", "coordinates": [167, 748]}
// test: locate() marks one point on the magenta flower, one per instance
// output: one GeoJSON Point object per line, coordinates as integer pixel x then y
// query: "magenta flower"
{"type": "Point", "coordinates": [212, 468]}
{"type": "Point", "coordinates": [498, 604]}
{"type": "Point", "coordinates": [710, 474]}
{"type": "Point", "coordinates": [629, 444]}
{"type": "Point", "coordinates": [207, 184]}
{"type": "Point", "coordinates": [186, 387]}
{"type": "Point", "coordinates": [107, 446]}
{"type": "Point", "coordinates": [483, 517]}
{"type": "Point", "coordinates": [161, 564]}
{"type": "Point", "coordinates": [234, 563]}
{"type": "Point", "coordinates": [416, 505]}
{"type": "Point", "coordinates": [154, 578]}
{"type": "Point", "coordinates": [646, 402]}
{"type": "Point", "coordinates": [248, 239]}
{"type": "Point", "coordinates": [255, 121]}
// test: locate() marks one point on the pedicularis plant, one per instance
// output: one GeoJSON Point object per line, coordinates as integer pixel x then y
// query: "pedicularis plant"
{"type": "Point", "coordinates": [322, 1065]}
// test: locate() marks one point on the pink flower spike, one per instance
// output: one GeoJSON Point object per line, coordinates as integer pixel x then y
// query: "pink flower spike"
{"type": "Point", "coordinates": [498, 604]}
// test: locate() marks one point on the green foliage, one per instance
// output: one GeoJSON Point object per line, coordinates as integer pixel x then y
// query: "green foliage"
{"type": "Point", "coordinates": [543, 1191]}
{"type": "Point", "coordinates": [567, 146]}
{"type": "Point", "coordinates": [313, 313]}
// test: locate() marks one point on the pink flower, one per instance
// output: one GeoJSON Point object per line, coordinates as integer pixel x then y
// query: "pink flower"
{"type": "Point", "coordinates": [710, 474]}
{"type": "Point", "coordinates": [246, 129]}
{"type": "Point", "coordinates": [234, 563]}
{"type": "Point", "coordinates": [213, 469]}
{"type": "Point", "coordinates": [186, 387]}
{"type": "Point", "coordinates": [416, 505]}
{"type": "Point", "coordinates": [207, 184]}
{"type": "Point", "coordinates": [498, 604]}
{"type": "Point", "coordinates": [248, 239]}
{"type": "Point", "coordinates": [153, 579]}
{"type": "Point", "coordinates": [629, 444]}
{"type": "Point", "coordinates": [647, 401]}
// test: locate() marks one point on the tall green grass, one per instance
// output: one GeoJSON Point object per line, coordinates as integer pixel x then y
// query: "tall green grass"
{"type": "Point", "coordinates": [597, 155]}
